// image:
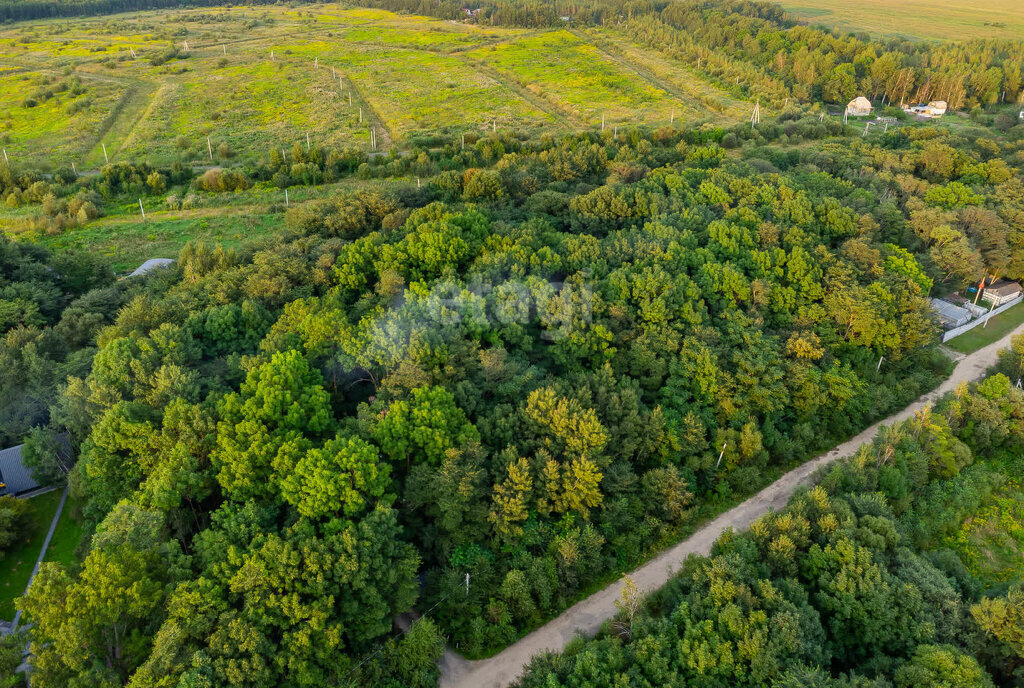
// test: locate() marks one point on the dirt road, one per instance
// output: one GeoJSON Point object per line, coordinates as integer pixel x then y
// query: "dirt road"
{"type": "Point", "coordinates": [587, 615]}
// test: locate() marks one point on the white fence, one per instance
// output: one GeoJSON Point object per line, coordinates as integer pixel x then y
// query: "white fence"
{"type": "Point", "coordinates": [949, 334]}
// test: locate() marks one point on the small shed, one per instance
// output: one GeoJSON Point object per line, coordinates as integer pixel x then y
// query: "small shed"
{"type": "Point", "coordinates": [859, 107]}
{"type": "Point", "coordinates": [937, 108]}
{"type": "Point", "coordinates": [949, 314]}
{"type": "Point", "coordinates": [15, 478]}
{"type": "Point", "coordinates": [1002, 291]}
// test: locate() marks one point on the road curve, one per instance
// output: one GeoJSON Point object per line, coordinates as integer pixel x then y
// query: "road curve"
{"type": "Point", "coordinates": [586, 616]}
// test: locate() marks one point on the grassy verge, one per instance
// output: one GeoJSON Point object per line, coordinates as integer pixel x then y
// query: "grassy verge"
{"type": "Point", "coordinates": [16, 566]}
{"type": "Point", "coordinates": [983, 335]}
{"type": "Point", "coordinates": [67, 535]}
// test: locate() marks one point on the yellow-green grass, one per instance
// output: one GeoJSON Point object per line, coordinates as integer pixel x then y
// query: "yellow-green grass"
{"type": "Point", "coordinates": [696, 99]}
{"type": "Point", "coordinates": [416, 91]}
{"type": "Point", "coordinates": [983, 335]}
{"type": "Point", "coordinates": [128, 241]}
{"type": "Point", "coordinates": [410, 75]}
{"type": "Point", "coordinates": [67, 534]}
{"type": "Point", "coordinates": [60, 129]}
{"type": "Point", "coordinates": [16, 566]}
{"type": "Point", "coordinates": [577, 78]}
{"type": "Point", "coordinates": [252, 106]}
{"type": "Point", "coordinates": [924, 19]}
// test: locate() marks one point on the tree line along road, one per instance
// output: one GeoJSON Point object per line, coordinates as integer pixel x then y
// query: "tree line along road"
{"type": "Point", "coordinates": [587, 615]}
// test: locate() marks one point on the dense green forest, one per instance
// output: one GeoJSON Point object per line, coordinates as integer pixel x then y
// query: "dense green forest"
{"type": "Point", "coordinates": [536, 368]}
{"type": "Point", "coordinates": [854, 584]}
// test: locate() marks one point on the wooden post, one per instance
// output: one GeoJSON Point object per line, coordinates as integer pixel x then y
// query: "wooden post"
{"type": "Point", "coordinates": [417, 182]}
{"type": "Point", "coordinates": [271, 55]}
{"type": "Point", "coordinates": [286, 203]}
{"type": "Point", "coordinates": [360, 115]}
{"type": "Point", "coordinates": [105, 158]}
{"type": "Point", "coordinates": [307, 140]}
{"type": "Point", "coordinates": [209, 147]}
{"type": "Point", "coordinates": [494, 125]}
{"type": "Point", "coordinates": [463, 145]}
{"type": "Point", "coordinates": [143, 210]}
{"type": "Point", "coordinates": [672, 118]}
{"type": "Point", "coordinates": [224, 48]}
{"type": "Point", "coordinates": [73, 169]}
{"type": "Point", "coordinates": [333, 71]}
{"type": "Point", "coordinates": [316, 63]}
{"type": "Point", "coordinates": [602, 121]}
{"type": "Point", "coordinates": [350, 98]}
{"type": "Point", "coordinates": [5, 156]}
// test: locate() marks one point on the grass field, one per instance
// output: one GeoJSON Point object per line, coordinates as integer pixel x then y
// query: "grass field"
{"type": "Point", "coordinates": [16, 566]}
{"type": "Point", "coordinates": [997, 328]}
{"type": "Point", "coordinates": [67, 535]}
{"type": "Point", "coordinates": [926, 19]}
{"type": "Point", "coordinates": [248, 80]}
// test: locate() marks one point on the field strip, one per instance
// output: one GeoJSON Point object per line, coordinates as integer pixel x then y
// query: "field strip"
{"type": "Point", "coordinates": [618, 58]}
{"type": "Point", "coordinates": [564, 119]}
{"type": "Point", "coordinates": [388, 135]}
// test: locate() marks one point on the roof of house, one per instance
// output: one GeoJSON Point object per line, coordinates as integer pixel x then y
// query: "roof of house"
{"type": "Point", "coordinates": [1004, 287]}
{"type": "Point", "coordinates": [950, 312]}
{"type": "Point", "coordinates": [13, 473]}
{"type": "Point", "coordinates": [150, 265]}
{"type": "Point", "coordinates": [937, 104]}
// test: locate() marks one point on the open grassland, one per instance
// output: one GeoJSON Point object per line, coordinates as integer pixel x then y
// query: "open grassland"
{"type": "Point", "coordinates": [262, 78]}
{"type": "Point", "coordinates": [229, 219]}
{"type": "Point", "coordinates": [59, 117]}
{"type": "Point", "coordinates": [926, 19]}
{"type": "Point", "coordinates": [578, 79]}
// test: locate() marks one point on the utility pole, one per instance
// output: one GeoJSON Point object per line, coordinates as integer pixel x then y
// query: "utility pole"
{"type": "Point", "coordinates": [721, 455]}
{"type": "Point", "coordinates": [224, 48]}
{"type": "Point", "coordinates": [672, 117]}
{"type": "Point", "coordinates": [286, 203]}
{"type": "Point", "coordinates": [6, 159]}
{"type": "Point", "coordinates": [602, 121]}
{"type": "Point", "coordinates": [977, 295]}
{"type": "Point", "coordinates": [105, 158]}
{"type": "Point", "coordinates": [879, 366]}
{"type": "Point", "coordinates": [989, 316]}
{"type": "Point", "coordinates": [73, 169]}
{"type": "Point", "coordinates": [209, 147]}
{"type": "Point", "coordinates": [143, 210]}
{"type": "Point", "coordinates": [307, 140]}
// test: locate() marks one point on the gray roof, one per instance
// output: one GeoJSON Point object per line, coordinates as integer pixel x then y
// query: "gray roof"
{"type": "Point", "coordinates": [949, 312]}
{"type": "Point", "coordinates": [18, 479]}
{"type": "Point", "coordinates": [151, 265]}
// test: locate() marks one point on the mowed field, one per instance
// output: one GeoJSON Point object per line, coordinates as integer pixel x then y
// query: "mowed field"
{"type": "Point", "coordinates": [925, 19]}
{"type": "Point", "coordinates": [255, 79]}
